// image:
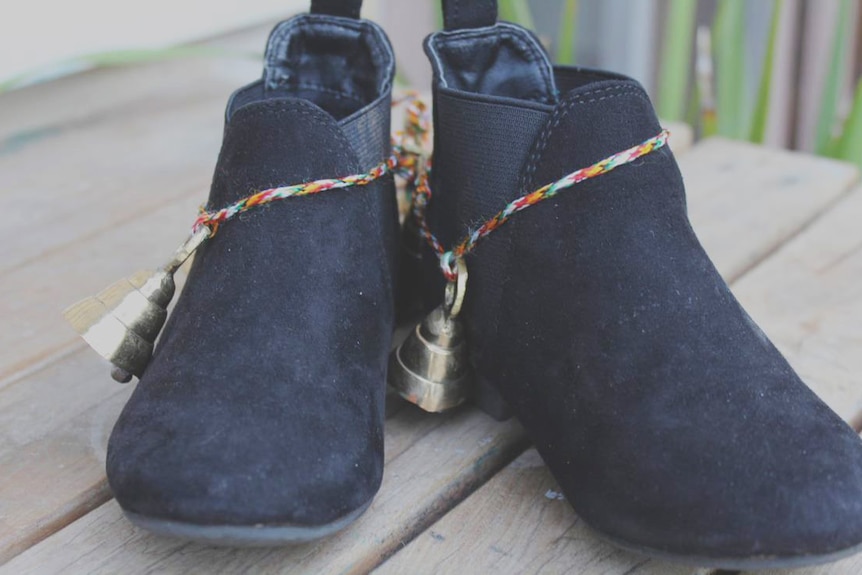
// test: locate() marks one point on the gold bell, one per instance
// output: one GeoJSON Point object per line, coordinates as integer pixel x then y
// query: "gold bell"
{"type": "Point", "coordinates": [430, 367]}
{"type": "Point", "coordinates": [123, 320]}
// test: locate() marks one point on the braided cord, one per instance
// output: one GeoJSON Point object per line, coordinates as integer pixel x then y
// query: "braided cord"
{"type": "Point", "coordinates": [409, 161]}
{"type": "Point", "coordinates": [447, 259]}
{"type": "Point", "coordinates": [212, 220]}
{"type": "Point", "coordinates": [404, 161]}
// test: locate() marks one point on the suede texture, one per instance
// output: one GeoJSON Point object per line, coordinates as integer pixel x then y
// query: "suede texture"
{"type": "Point", "coordinates": [669, 420]}
{"type": "Point", "coordinates": [264, 401]}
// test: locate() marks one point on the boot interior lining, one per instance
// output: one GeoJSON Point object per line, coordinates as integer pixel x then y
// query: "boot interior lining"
{"type": "Point", "coordinates": [339, 64]}
{"type": "Point", "coordinates": [500, 60]}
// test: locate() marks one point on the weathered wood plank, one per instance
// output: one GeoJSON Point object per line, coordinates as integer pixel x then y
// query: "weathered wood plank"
{"type": "Point", "coordinates": [518, 523]}
{"type": "Point", "coordinates": [105, 175]}
{"type": "Point", "coordinates": [807, 297]}
{"type": "Point", "coordinates": [103, 248]}
{"type": "Point", "coordinates": [820, 282]}
{"type": "Point", "coordinates": [53, 467]}
{"type": "Point", "coordinates": [30, 114]}
{"type": "Point", "coordinates": [745, 198]}
{"type": "Point", "coordinates": [33, 296]}
{"type": "Point", "coordinates": [166, 117]}
{"type": "Point", "coordinates": [849, 566]}
{"type": "Point", "coordinates": [449, 456]}
{"type": "Point", "coordinates": [72, 456]}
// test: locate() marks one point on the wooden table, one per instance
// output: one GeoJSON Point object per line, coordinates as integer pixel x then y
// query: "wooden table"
{"type": "Point", "coordinates": [101, 173]}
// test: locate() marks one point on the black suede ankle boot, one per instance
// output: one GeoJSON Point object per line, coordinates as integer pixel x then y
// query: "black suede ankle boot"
{"type": "Point", "coordinates": [259, 419]}
{"type": "Point", "coordinates": [674, 427]}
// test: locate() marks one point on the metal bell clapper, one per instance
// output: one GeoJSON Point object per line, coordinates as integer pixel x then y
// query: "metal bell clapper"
{"type": "Point", "coordinates": [430, 367]}
{"type": "Point", "coordinates": [123, 320]}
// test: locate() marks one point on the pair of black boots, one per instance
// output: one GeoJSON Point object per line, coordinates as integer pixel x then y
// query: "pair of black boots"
{"type": "Point", "coordinates": [671, 423]}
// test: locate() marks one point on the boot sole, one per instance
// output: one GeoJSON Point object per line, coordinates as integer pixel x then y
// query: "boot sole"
{"type": "Point", "coordinates": [731, 563]}
{"type": "Point", "coordinates": [243, 536]}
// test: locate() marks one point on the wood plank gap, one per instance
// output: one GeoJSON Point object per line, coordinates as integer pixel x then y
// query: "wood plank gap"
{"type": "Point", "coordinates": [140, 212]}
{"type": "Point", "coordinates": [37, 366]}
{"type": "Point", "coordinates": [770, 251]}
{"type": "Point", "coordinates": [130, 78]}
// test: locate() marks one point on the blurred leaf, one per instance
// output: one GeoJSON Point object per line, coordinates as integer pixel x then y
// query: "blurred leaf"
{"type": "Point", "coordinates": [118, 58]}
{"type": "Point", "coordinates": [761, 111]}
{"type": "Point", "coordinates": [566, 34]}
{"type": "Point", "coordinates": [517, 11]}
{"type": "Point", "coordinates": [729, 47]}
{"type": "Point", "coordinates": [832, 88]}
{"type": "Point", "coordinates": [850, 145]}
{"type": "Point", "coordinates": [676, 59]}
{"type": "Point", "coordinates": [709, 123]}
{"type": "Point", "coordinates": [705, 84]}
{"type": "Point", "coordinates": [692, 110]}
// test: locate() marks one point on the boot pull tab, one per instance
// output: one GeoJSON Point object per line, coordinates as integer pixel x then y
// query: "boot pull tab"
{"type": "Point", "coordinates": [345, 8]}
{"type": "Point", "coordinates": [459, 14]}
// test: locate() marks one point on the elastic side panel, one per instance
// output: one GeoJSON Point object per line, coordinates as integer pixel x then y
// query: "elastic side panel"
{"type": "Point", "coordinates": [479, 153]}
{"type": "Point", "coordinates": [368, 131]}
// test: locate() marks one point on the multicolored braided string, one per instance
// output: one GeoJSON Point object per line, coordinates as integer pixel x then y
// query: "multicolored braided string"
{"type": "Point", "coordinates": [212, 220]}
{"type": "Point", "coordinates": [404, 161]}
{"type": "Point", "coordinates": [409, 161]}
{"type": "Point", "coordinates": [447, 259]}
{"type": "Point", "coordinates": [422, 193]}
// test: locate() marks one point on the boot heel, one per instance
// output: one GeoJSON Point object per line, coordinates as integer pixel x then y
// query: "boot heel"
{"type": "Point", "coordinates": [488, 399]}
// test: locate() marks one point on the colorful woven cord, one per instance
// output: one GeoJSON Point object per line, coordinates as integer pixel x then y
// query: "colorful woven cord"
{"type": "Point", "coordinates": [447, 259]}
{"type": "Point", "coordinates": [422, 190]}
{"type": "Point", "coordinates": [405, 161]}
{"type": "Point", "coordinates": [212, 220]}
{"type": "Point", "coordinates": [408, 160]}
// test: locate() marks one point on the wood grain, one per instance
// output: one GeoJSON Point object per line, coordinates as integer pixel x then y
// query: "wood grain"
{"type": "Point", "coordinates": [443, 459]}
{"type": "Point", "coordinates": [745, 201]}
{"type": "Point", "coordinates": [807, 297]}
{"type": "Point", "coordinates": [33, 296]}
{"type": "Point", "coordinates": [518, 522]}
{"type": "Point", "coordinates": [86, 157]}
{"type": "Point", "coordinates": [35, 112]}
{"type": "Point", "coordinates": [104, 176]}
{"type": "Point", "coordinates": [51, 478]}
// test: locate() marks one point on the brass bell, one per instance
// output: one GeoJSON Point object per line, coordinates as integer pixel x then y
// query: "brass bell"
{"type": "Point", "coordinates": [430, 367]}
{"type": "Point", "coordinates": [123, 320]}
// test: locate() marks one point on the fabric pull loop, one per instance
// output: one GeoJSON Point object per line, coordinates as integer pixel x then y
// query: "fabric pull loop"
{"type": "Point", "coordinates": [345, 8]}
{"type": "Point", "coordinates": [459, 14]}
